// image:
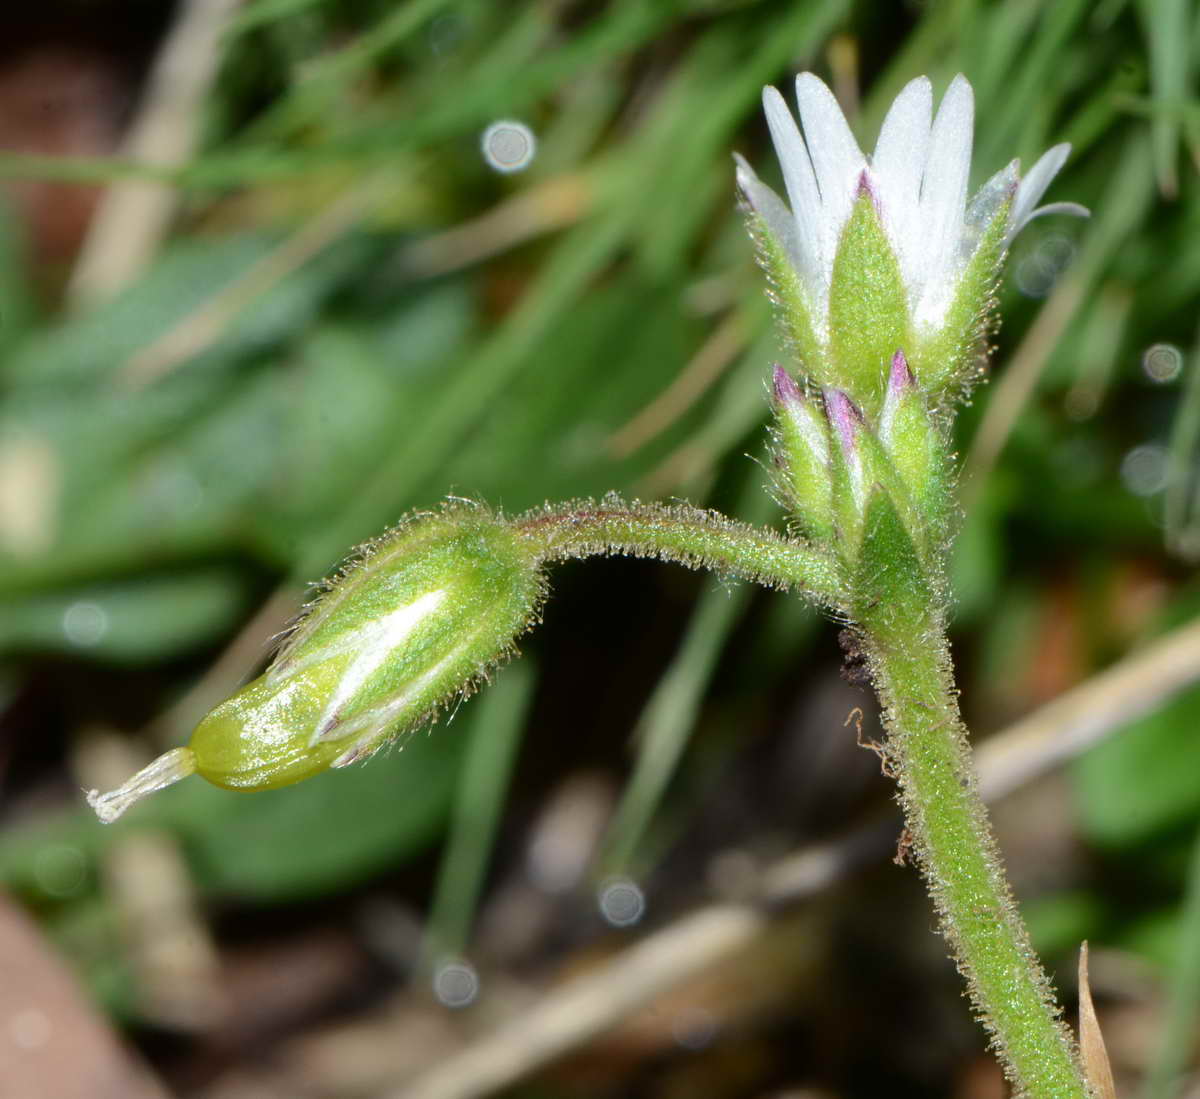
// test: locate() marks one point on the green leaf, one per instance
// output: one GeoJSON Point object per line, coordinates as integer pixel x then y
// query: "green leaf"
{"type": "Point", "coordinates": [1142, 783]}
{"type": "Point", "coordinates": [144, 619]}
{"type": "Point", "coordinates": [98, 344]}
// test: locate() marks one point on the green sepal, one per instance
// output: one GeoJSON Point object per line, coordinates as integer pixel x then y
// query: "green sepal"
{"type": "Point", "coordinates": [915, 445]}
{"type": "Point", "coordinates": [788, 298]}
{"type": "Point", "coordinates": [949, 361]}
{"type": "Point", "coordinates": [851, 478]}
{"type": "Point", "coordinates": [868, 306]}
{"type": "Point", "coordinates": [890, 589]}
{"type": "Point", "coordinates": [884, 473]}
{"type": "Point", "coordinates": [802, 448]}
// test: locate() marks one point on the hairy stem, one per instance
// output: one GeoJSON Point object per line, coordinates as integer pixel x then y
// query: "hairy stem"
{"type": "Point", "coordinates": [686, 535]}
{"type": "Point", "coordinates": [947, 823]}
{"type": "Point", "coordinates": [905, 641]}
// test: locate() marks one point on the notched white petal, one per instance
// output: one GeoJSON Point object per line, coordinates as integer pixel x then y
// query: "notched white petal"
{"type": "Point", "coordinates": [917, 178]}
{"type": "Point", "coordinates": [986, 204]}
{"type": "Point", "coordinates": [898, 164]}
{"type": "Point", "coordinates": [1075, 209]}
{"type": "Point", "coordinates": [904, 137]}
{"type": "Point", "coordinates": [797, 168]}
{"type": "Point", "coordinates": [836, 158]}
{"type": "Point", "coordinates": [943, 198]}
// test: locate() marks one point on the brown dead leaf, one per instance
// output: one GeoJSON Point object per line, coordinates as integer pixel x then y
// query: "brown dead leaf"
{"type": "Point", "coordinates": [1091, 1042]}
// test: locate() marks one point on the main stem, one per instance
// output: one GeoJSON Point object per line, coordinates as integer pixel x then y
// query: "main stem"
{"type": "Point", "coordinates": [905, 642]}
{"type": "Point", "coordinates": [947, 823]}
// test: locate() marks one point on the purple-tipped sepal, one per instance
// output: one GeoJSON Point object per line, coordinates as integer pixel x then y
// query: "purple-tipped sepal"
{"type": "Point", "coordinates": [850, 474]}
{"type": "Point", "coordinates": [912, 436]}
{"type": "Point", "coordinates": [866, 186]}
{"type": "Point", "coordinates": [802, 456]}
{"type": "Point", "coordinates": [847, 423]}
{"type": "Point", "coordinates": [901, 389]}
{"type": "Point", "coordinates": [784, 388]}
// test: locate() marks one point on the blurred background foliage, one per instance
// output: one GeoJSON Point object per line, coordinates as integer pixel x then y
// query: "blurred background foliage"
{"type": "Point", "coordinates": [236, 345]}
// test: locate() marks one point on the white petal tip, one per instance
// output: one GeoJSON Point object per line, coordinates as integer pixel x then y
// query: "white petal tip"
{"type": "Point", "coordinates": [811, 80]}
{"type": "Point", "coordinates": [959, 102]}
{"type": "Point", "coordinates": [771, 98]}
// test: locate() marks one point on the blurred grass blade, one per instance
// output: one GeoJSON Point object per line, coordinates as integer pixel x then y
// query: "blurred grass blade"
{"type": "Point", "coordinates": [260, 12]}
{"type": "Point", "coordinates": [17, 309]}
{"type": "Point", "coordinates": [1101, 345]}
{"type": "Point", "coordinates": [494, 737]}
{"type": "Point", "coordinates": [1180, 512]}
{"type": "Point", "coordinates": [668, 719]}
{"type": "Point", "coordinates": [1165, 24]}
{"type": "Point", "coordinates": [329, 75]}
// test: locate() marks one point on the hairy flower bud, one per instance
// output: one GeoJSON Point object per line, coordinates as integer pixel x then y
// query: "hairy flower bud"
{"type": "Point", "coordinates": [913, 441]}
{"type": "Point", "coordinates": [414, 622]}
{"type": "Point", "coordinates": [802, 452]}
{"type": "Point", "coordinates": [853, 468]}
{"type": "Point", "coordinates": [899, 456]}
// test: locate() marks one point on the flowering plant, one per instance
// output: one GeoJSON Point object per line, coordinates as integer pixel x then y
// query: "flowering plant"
{"type": "Point", "coordinates": [882, 273]}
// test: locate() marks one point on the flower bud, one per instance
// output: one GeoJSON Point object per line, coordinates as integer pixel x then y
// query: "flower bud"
{"type": "Point", "coordinates": [913, 441]}
{"type": "Point", "coordinates": [863, 467]}
{"type": "Point", "coordinates": [852, 466]}
{"type": "Point", "coordinates": [802, 451]}
{"type": "Point", "coordinates": [417, 620]}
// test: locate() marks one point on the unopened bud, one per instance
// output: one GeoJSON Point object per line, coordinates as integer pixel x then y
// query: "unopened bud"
{"type": "Point", "coordinates": [861, 465]}
{"type": "Point", "coordinates": [847, 423]}
{"type": "Point", "coordinates": [912, 439]}
{"type": "Point", "coordinates": [418, 620]}
{"type": "Point", "coordinates": [901, 386]}
{"type": "Point", "coordinates": [802, 437]}
{"type": "Point", "coordinates": [853, 467]}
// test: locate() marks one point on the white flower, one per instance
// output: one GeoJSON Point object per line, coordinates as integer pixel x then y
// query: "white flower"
{"type": "Point", "coordinates": [917, 178]}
